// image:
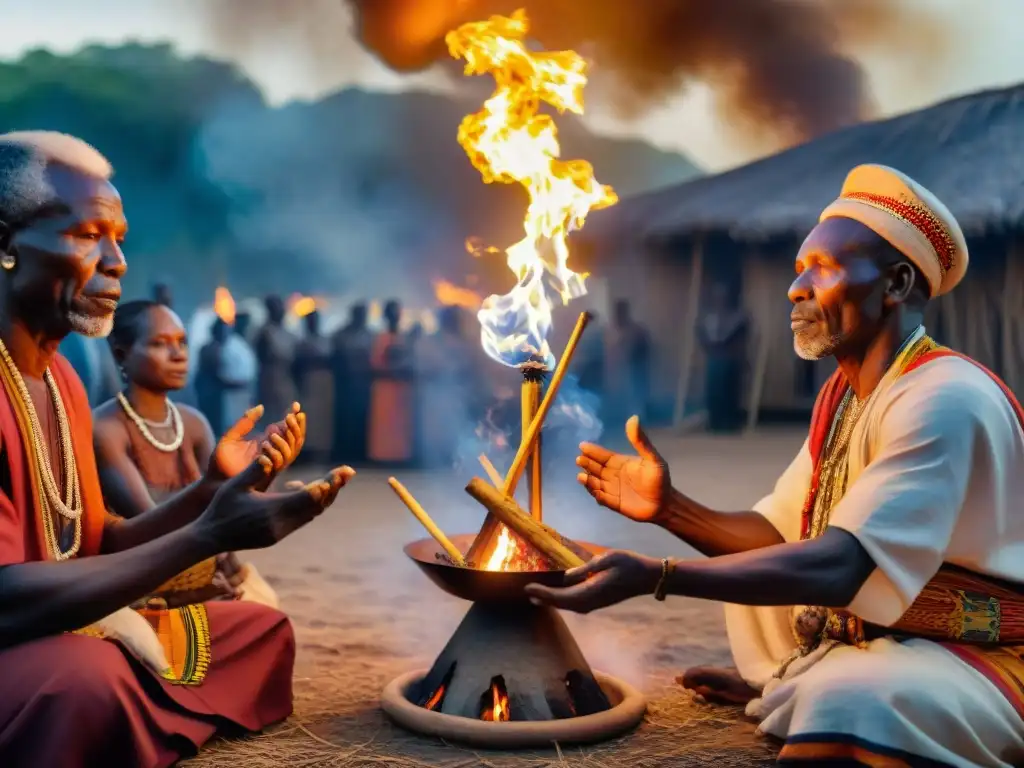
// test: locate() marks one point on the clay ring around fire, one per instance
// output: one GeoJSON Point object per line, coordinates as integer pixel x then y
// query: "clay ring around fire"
{"type": "Point", "coordinates": [628, 709]}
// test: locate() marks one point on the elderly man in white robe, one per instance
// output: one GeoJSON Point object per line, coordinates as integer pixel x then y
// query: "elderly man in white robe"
{"type": "Point", "coordinates": [875, 596]}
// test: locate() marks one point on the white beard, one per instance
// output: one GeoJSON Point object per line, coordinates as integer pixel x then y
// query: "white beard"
{"type": "Point", "coordinates": [90, 326]}
{"type": "Point", "coordinates": [817, 347]}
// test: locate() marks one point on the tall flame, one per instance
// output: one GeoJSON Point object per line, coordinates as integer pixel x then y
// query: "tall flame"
{"type": "Point", "coordinates": [510, 141]}
{"type": "Point", "coordinates": [224, 305]}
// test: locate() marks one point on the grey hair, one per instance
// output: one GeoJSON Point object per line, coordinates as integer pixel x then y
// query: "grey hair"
{"type": "Point", "coordinates": [25, 157]}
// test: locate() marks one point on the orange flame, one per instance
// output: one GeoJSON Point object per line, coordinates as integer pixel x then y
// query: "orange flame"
{"type": "Point", "coordinates": [451, 295]}
{"type": "Point", "coordinates": [504, 552]}
{"type": "Point", "coordinates": [436, 698]}
{"type": "Point", "coordinates": [224, 305]}
{"type": "Point", "coordinates": [510, 141]}
{"type": "Point", "coordinates": [304, 305]}
{"type": "Point", "coordinates": [499, 710]}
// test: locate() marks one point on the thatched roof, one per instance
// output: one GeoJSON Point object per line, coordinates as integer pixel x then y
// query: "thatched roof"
{"type": "Point", "coordinates": [969, 151]}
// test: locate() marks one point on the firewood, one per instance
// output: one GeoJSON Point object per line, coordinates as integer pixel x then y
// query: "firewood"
{"type": "Point", "coordinates": [508, 512]}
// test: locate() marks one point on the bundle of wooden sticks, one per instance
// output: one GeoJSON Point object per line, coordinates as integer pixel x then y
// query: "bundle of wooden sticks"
{"type": "Point", "coordinates": [498, 495]}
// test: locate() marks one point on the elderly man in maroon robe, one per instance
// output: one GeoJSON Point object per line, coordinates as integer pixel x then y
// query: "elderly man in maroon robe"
{"type": "Point", "coordinates": [91, 675]}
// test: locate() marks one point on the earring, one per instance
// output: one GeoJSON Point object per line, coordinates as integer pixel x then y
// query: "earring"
{"type": "Point", "coordinates": [8, 262]}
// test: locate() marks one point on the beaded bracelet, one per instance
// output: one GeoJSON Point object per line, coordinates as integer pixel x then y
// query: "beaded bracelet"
{"type": "Point", "coordinates": [668, 567]}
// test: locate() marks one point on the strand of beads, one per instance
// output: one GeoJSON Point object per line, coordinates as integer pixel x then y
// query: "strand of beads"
{"type": "Point", "coordinates": [69, 507]}
{"type": "Point", "coordinates": [179, 427]}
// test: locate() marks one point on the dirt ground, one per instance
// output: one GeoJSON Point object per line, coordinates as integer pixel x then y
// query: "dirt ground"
{"type": "Point", "coordinates": [364, 614]}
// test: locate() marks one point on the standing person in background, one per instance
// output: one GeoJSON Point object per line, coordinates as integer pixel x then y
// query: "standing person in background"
{"type": "Point", "coordinates": [626, 366]}
{"type": "Point", "coordinates": [237, 371]}
{"type": "Point", "coordinates": [162, 295]}
{"type": "Point", "coordinates": [391, 395]}
{"type": "Point", "coordinates": [445, 389]}
{"type": "Point", "coordinates": [314, 379]}
{"type": "Point", "coordinates": [209, 389]}
{"type": "Point", "coordinates": [351, 346]}
{"type": "Point", "coordinates": [722, 332]}
{"type": "Point", "coordinates": [275, 352]}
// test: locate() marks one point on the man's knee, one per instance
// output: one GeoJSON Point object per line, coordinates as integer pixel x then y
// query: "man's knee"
{"type": "Point", "coordinates": [859, 685]}
{"type": "Point", "coordinates": [91, 682]}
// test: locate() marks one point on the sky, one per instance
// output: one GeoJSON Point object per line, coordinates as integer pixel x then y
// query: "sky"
{"type": "Point", "coordinates": [984, 51]}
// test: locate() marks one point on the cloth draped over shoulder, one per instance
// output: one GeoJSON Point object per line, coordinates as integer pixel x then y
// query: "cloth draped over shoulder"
{"type": "Point", "coordinates": [228, 663]}
{"type": "Point", "coordinates": [979, 618]}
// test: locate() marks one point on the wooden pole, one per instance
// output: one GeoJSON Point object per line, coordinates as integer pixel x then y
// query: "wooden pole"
{"type": "Point", "coordinates": [486, 538]}
{"type": "Point", "coordinates": [1011, 301]}
{"type": "Point", "coordinates": [509, 513]}
{"type": "Point", "coordinates": [530, 403]}
{"type": "Point", "coordinates": [421, 514]}
{"type": "Point", "coordinates": [760, 369]}
{"type": "Point", "coordinates": [515, 472]}
{"type": "Point", "coordinates": [688, 332]}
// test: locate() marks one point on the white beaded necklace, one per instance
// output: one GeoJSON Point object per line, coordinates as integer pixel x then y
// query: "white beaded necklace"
{"type": "Point", "coordinates": [174, 417]}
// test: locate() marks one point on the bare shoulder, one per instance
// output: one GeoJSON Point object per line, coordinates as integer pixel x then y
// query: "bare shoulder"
{"type": "Point", "coordinates": [107, 413]}
{"type": "Point", "coordinates": [107, 425]}
{"type": "Point", "coordinates": [193, 419]}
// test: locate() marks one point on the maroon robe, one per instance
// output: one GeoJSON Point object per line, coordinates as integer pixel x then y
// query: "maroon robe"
{"type": "Point", "coordinates": [71, 701]}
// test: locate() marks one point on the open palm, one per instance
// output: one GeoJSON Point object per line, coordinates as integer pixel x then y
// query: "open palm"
{"type": "Point", "coordinates": [238, 448]}
{"type": "Point", "coordinates": [635, 486]}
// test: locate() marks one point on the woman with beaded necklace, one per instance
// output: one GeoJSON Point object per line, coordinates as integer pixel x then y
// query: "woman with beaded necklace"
{"type": "Point", "coordinates": [148, 447]}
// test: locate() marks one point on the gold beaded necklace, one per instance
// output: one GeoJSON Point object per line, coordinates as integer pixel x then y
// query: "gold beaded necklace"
{"type": "Point", "coordinates": [70, 506]}
{"type": "Point", "coordinates": [835, 463]}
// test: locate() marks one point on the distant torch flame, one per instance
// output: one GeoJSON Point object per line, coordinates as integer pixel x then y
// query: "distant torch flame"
{"type": "Point", "coordinates": [224, 305]}
{"type": "Point", "coordinates": [450, 295]}
{"type": "Point", "coordinates": [509, 141]}
{"type": "Point", "coordinates": [303, 305]}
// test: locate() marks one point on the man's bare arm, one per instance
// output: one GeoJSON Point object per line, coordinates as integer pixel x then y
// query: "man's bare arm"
{"type": "Point", "coordinates": [828, 571]}
{"type": "Point", "coordinates": [45, 598]}
{"type": "Point", "coordinates": [173, 513]}
{"type": "Point", "coordinates": [714, 533]}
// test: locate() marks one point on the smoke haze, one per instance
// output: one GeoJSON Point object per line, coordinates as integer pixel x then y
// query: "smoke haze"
{"type": "Point", "coordinates": [782, 71]}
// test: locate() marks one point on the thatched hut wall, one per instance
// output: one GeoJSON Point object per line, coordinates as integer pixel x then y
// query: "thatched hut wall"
{"type": "Point", "coordinates": [966, 150]}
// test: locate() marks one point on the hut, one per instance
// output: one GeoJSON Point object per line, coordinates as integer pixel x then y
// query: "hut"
{"type": "Point", "coordinates": [667, 245]}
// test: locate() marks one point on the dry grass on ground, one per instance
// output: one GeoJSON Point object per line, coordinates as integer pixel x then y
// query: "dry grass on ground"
{"type": "Point", "coordinates": [364, 614]}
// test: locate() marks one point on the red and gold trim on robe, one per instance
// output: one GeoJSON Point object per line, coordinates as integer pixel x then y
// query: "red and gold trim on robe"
{"type": "Point", "coordinates": [821, 748]}
{"type": "Point", "coordinates": [183, 632]}
{"type": "Point", "coordinates": [977, 618]}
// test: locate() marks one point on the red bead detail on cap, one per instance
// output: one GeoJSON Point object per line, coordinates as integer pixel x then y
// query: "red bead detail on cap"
{"type": "Point", "coordinates": [920, 218]}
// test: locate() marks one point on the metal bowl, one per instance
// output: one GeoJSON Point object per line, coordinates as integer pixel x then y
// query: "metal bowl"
{"type": "Point", "coordinates": [478, 585]}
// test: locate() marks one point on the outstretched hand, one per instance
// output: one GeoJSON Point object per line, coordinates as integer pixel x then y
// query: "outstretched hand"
{"type": "Point", "coordinates": [241, 516]}
{"type": "Point", "coordinates": [606, 580]}
{"type": "Point", "coordinates": [237, 449]}
{"type": "Point", "coordinates": [635, 486]}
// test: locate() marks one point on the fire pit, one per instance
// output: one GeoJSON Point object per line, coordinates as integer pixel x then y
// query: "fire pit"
{"type": "Point", "coordinates": [512, 675]}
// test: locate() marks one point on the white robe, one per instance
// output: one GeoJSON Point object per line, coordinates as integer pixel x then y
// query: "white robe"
{"type": "Point", "coordinates": [936, 474]}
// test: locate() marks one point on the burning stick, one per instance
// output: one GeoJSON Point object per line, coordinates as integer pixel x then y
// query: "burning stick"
{"type": "Point", "coordinates": [526, 445]}
{"type": "Point", "coordinates": [533, 375]}
{"type": "Point", "coordinates": [496, 480]}
{"type": "Point", "coordinates": [489, 530]}
{"type": "Point", "coordinates": [421, 515]}
{"type": "Point", "coordinates": [508, 512]}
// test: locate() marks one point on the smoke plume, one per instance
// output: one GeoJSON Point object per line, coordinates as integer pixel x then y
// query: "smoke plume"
{"type": "Point", "coordinates": [779, 67]}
